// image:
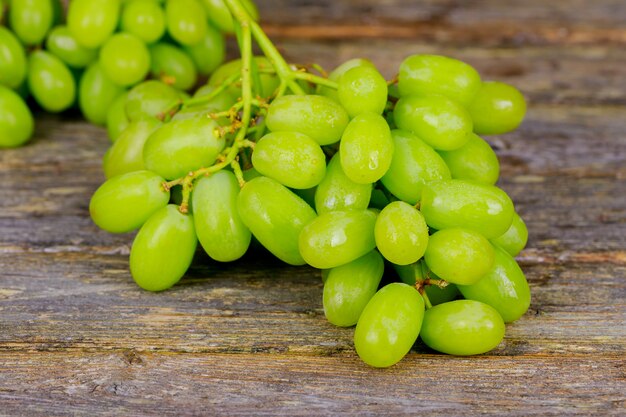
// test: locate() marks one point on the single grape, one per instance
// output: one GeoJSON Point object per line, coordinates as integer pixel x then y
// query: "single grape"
{"type": "Point", "coordinates": [348, 288]}
{"type": "Point", "coordinates": [221, 231]}
{"type": "Point", "coordinates": [337, 237]}
{"type": "Point", "coordinates": [62, 43]}
{"type": "Point", "coordinates": [336, 74]}
{"type": "Point", "coordinates": [275, 216]}
{"type": "Point", "coordinates": [414, 164]}
{"type": "Point", "coordinates": [125, 59]}
{"type": "Point", "coordinates": [474, 161]}
{"type": "Point", "coordinates": [436, 295]}
{"type": "Point", "coordinates": [186, 21]}
{"type": "Point", "coordinates": [149, 99]}
{"type": "Point", "coordinates": [460, 256]}
{"type": "Point", "coordinates": [269, 81]}
{"type": "Point", "coordinates": [401, 233]}
{"type": "Point", "coordinates": [338, 192]}
{"type": "Point", "coordinates": [97, 93]}
{"type": "Point", "coordinates": [117, 120]}
{"type": "Point", "coordinates": [504, 287]}
{"type": "Point", "coordinates": [173, 66]}
{"type": "Point", "coordinates": [163, 249]}
{"type": "Point", "coordinates": [318, 117]}
{"type": "Point", "coordinates": [515, 238]}
{"type": "Point", "coordinates": [143, 18]}
{"type": "Point", "coordinates": [122, 204]}
{"type": "Point", "coordinates": [92, 22]}
{"type": "Point", "coordinates": [16, 120]}
{"type": "Point", "coordinates": [426, 75]}
{"type": "Point", "coordinates": [497, 108]}
{"type": "Point", "coordinates": [462, 327]}
{"type": "Point", "coordinates": [182, 146]}
{"type": "Point", "coordinates": [366, 148]}
{"type": "Point", "coordinates": [389, 325]}
{"type": "Point", "coordinates": [459, 203]}
{"type": "Point", "coordinates": [440, 122]}
{"type": "Point", "coordinates": [209, 53]}
{"type": "Point", "coordinates": [31, 20]}
{"type": "Point", "coordinates": [50, 81]}
{"type": "Point", "coordinates": [362, 90]}
{"type": "Point", "coordinates": [291, 158]}
{"type": "Point", "coordinates": [220, 16]}
{"type": "Point", "coordinates": [13, 60]}
{"type": "Point", "coordinates": [126, 154]}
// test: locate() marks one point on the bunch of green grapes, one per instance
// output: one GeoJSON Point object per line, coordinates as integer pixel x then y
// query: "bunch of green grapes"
{"type": "Point", "coordinates": [342, 171]}
{"type": "Point", "coordinates": [101, 48]}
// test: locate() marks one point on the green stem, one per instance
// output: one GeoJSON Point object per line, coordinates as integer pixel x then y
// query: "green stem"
{"type": "Point", "coordinates": [315, 79]}
{"type": "Point", "coordinates": [426, 299]}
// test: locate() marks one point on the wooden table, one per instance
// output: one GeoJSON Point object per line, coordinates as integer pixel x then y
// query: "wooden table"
{"type": "Point", "coordinates": [77, 337]}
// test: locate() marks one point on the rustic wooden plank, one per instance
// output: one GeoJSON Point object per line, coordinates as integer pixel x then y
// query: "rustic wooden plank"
{"type": "Point", "coordinates": [258, 304]}
{"type": "Point", "coordinates": [141, 383]}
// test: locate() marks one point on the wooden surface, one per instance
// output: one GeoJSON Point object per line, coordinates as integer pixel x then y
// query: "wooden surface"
{"type": "Point", "coordinates": [77, 337]}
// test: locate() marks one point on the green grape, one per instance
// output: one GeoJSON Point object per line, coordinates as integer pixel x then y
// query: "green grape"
{"type": "Point", "coordinates": [338, 192]}
{"type": "Point", "coordinates": [275, 216]}
{"type": "Point", "coordinates": [401, 233]}
{"type": "Point", "coordinates": [362, 90]}
{"type": "Point", "coordinates": [318, 117]}
{"type": "Point", "coordinates": [149, 99]}
{"type": "Point", "coordinates": [16, 120]}
{"type": "Point", "coordinates": [389, 325]}
{"type": "Point", "coordinates": [126, 154]}
{"type": "Point", "coordinates": [122, 204]}
{"type": "Point", "coordinates": [62, 43]}
{"type": "Point", "coordinates": [186, 21]}
{"type": "Point", "coordinates": [221, 231]}
{"type": "Point", "coordinates": [163, 249]}
{"type": "Point", "coordinates": [336, 74]}
{"type": "Point", "coordinates": [97, 93]}
{"type": "Point", "coordinates": [209, 53]}
{"type": "Point", "coordinates": [291, 158]}
{"type": "Point", "coordinates": [414, 164]}
{"type": "Point", "coordinates": [50, 81]}
{"type": "Point", "coordinates": [474, 161]}
{"type": "Point", "coordinates": [173, 66]}
{"type": "Point", "coordinates": [440, 122]}
{"type": "Point", "coordinates": [348, 288]}
{"type": "Point", "coordinates": [182, 146]}
{"type": "Point", "coordinates": [504, 287]}
{"type": "Point", "coordinates": [426, 75]}
{"type": "Point", "coordinates": [459, 203]}
{"type": "Point", "coordinates": [269, 81]}
{"type": "Point", "coordinates": [366, 148]}
{"type": "Point", "coordinates": [337, 237]}
{"type": "Point", "coordinates": [13, 60]}
{"type": "Point", "coordinates": [125, 59]}
{"type": "Point", "coordinates": [462, 327]}
{"type": "Point", "coordinates": [436, 295]}
{"type": "Point", "coordinates": [143, 18]}
{"type": "Point", "coordinates": [515, 238]}
{"type": "Point", "coordinates": [460, 256]}
{"type": "Point", "coordinates": [497, 108]}
{"type": "Point", "coordinates": [92, 22]}
{"type": "Point", "coordinates": [31, 20]}
{"type": "Point", "coordinates": [222, 101]}
{"type": "Point", "coordinates": [220, 16]}
{"type": "Point", "coordinates": [117, 121]}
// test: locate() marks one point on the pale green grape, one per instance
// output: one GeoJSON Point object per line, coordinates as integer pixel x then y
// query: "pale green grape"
{"type": "Point", "coordinates": [336, 74]}
{"type": "Point", "coordinates": [149, 99]}
{"type": "Point", "coordinates": [291, 158]}
{"type": "Point", "coordinates": [62, 43]}
{"type": "Point", "coordinates": [209, 53]}
{"type": "Point", "coordinates": [117, 120]}
{"type": "Point", "coordinates": [497, 108]}
{"type": "Point", "coordinates": [125, 59]}
{"type": "Point", "coordinates": [16, 120]}
{"type": "Point", "coordinates": [220, 16]}
{"type": "Point", "coordinates": [401, 233]}
{"type": "Point", "coordinates": [126, 154]}
{"type": "Point", "coordinates": [50, 81]}
{"type": "Point", "coordinates": [31, 20]}
{"type": "Point", "coordinates": [515, 238]}
{"type": "Point", "coordinates": [186, 21]}
{"type": "Point", "coordinates": [92, 22]}
{"type": "Point", "coordinates": [474, 161]}
{"type": "Point", "coordinates": [144, 19]}
{"type": "Point", "coordinates": [362, 90]}
{"type": "Point", "coordinates": [12, 60]}
{"type": "Point", "coordinates": [173, 66]}
{"type": "Point", "coordinates": [338, 192]}
{"type": "Point", "coordinates": [97, 93]}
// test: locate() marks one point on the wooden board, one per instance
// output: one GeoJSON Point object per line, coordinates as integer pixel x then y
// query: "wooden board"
{"type": "Point", "coordinates": [77, 337]}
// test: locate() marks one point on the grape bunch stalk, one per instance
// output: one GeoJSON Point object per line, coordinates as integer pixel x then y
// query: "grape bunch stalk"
{"type": "Point", "coordinates": [344, 171]}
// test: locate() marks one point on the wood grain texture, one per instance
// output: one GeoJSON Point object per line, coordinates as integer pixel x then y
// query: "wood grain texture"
{"type": "Point", "coordinates": [77, 337]}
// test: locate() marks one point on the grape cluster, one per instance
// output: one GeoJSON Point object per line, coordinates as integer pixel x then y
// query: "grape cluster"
{"type": "Point", "coordinates": [344, 171]}
{"type": "Point", "coordinates": [101, 48]}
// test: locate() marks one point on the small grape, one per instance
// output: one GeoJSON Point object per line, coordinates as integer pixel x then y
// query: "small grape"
{"type": "Point", "coordinates": [220, 16]}
{"type": "Point", "coordinates": [497, 108]}
{"type": "Point", "coordinates": [338, 192]}
{"type": "Point", "coordinates": [13, 62]}
{"type": "Point", "coordinates": [92, 22]}
{"type": "Point", "coordinates": [336, 74]}
{"type": "Point", "coordinates": [97, 93]}
{"type": "Point", "coordinates": [125, 59]}
{"type": "Point", "coordinates": [362, 89]}
{"type": "Point", "coordinates": [401, 233]}
{"type": "Point", "coordinates": [186, 21]}
{"type": "Point", "coordinates": [62, 43]}
{"type": "Point", "coordinates": [149, 99]}
{"type": "Point", "coordinates": [515, 238]}
{"type": "Point", "coordinates": [31, 20]}
{"type": "Point", "coordinates": [16, 120]}
{"type": "Point", "coordinates": [126, 154]}
{"type": "Point", "coordinates": [144, 19]}
{"type": "Point", "coordinates": [209, 53]}
{"type": "Point", "coordinates": [474, 161]}
{"type": "Point", "coordinates": [51, 82]}
{"type": "Point", "coordinates": [173, 66]}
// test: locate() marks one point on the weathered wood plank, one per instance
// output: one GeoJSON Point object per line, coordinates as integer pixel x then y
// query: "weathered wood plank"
{"type": "Point", "coordinates": [258, 304]}
{"type": "Point", "coordinates": [140, 383]}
